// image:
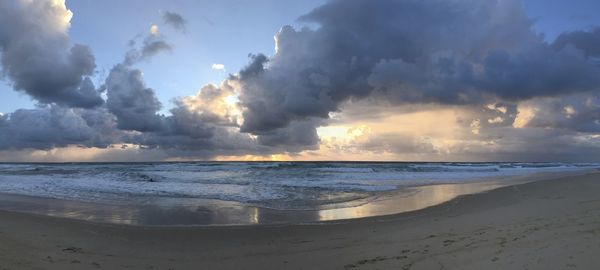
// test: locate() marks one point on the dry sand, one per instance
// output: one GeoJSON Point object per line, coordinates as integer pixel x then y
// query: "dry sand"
{"type": "Point", "coordinates": [553, 224]}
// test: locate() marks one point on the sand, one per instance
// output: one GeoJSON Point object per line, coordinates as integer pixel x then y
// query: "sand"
{"type": "Point", "coordinates": [553, 224]}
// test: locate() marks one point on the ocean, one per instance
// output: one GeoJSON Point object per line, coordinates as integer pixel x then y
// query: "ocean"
{"type": "Point", "coordinates": [275, 186]}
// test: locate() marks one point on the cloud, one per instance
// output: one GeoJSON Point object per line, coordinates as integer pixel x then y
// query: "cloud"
{"type": "Point", "coordinates": [219, 67]}
{"type": "Point", "coordinates": [116, 153]}
{"type": "Point", "coordinates": [296, 137]}
{"type": "Point", "coordinates": [383, 57]}
{"type": "Point", "coordinates": [529, 144]}
{"type": "Point", "coordinates": [388, 79]}
{"type": "Point", "coordinates": [56, 126]}
{"type": "Point", "coordinates": [204, 124]}
{"type": "Point", "coordinates": [314, 71]}
{"type": "Point", "coordinates": [407, 52]}
{"type": "Point", "coordinates": [214, 103]}
{"type": "Point", "coordinates": [445, 133]}
{"type": "Point", "coordinates": [450, 79]}
{"type": "Point", "coordinates": [152, 45]}
{"type": "Point", "coordinates": [398, 143]}
{"type": "Point", "coordinates": [37, 56]}
{"type": "Point", "coordinates": [134, 105]}
{"type": "Point", "coordinates": [175, 20]}
{"type": "Point", "coordinates": [580, 113]}
{"type": "Point", "coordinates": [199, 126]}
{"type": "Point", "coordinates": [154, 30]}
{"type": "Point", "coordinates": [587, 41]}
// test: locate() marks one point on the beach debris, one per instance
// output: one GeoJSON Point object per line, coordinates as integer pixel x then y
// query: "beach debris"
{"type": "Point", "coordinates": [72, 249]}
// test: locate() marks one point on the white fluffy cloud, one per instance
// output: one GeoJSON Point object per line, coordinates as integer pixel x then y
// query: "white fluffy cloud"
{"type": "Point", "coordinates": [219, 67]}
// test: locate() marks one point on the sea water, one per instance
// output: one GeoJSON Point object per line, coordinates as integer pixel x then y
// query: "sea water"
{"type": "Point", "coordinates": [273, 185]}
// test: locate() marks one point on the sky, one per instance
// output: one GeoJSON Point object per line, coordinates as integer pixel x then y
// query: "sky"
{"type": "Point", "coordinates": [394, 80]}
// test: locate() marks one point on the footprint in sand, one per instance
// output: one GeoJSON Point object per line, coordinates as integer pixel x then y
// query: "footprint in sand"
{"type": "Point", "coordinates": [448, 242]}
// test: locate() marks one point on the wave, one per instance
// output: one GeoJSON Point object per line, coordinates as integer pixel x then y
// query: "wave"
{"type": "Point", "coordinates": [268, 184]}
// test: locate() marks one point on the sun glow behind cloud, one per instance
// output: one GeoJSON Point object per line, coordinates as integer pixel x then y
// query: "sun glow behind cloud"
{"type": "Point", "coordinates": [65, 14]}
{"type": "Point", "coordinates": [390, 137]}
{"type": "Point", "coordinates": [154, 30]}
{"type": "Point", "coordinates": [526, 112]}
{"type": "Point", "coordinates": [116, 152]}
{"type": "Point", "coordinates": [277, 157]}
{"type": "Point", "coordinates": [344, 134]}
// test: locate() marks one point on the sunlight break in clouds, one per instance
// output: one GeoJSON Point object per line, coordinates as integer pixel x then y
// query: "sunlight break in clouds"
{"type": "Point", "coordinates": [154, 30]}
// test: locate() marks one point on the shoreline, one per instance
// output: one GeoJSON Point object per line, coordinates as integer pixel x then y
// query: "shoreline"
{"type": "Point", "coordinates": [208, 212]}
{"type": "Point", "coordinates": [551, 224]}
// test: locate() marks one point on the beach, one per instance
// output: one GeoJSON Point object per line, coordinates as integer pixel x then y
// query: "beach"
{"type": "Point", "coordinates": [551, 224]}
{"type": "Point", "coordinates": [308, 134]}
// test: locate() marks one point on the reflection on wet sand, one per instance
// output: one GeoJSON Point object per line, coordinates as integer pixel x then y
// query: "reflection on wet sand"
{"type": "Point", "coordinates": [166, 212]}
{"type": "Point", "coordinates": [407, 200]}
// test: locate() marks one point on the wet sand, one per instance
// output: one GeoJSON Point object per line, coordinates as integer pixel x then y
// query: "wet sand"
{"type": "Point", "coordinates": [161, 211]}
{"type": "Point", "coordinates": [552, 224]}
{"type": "Point", "coordinates": [202, 212]}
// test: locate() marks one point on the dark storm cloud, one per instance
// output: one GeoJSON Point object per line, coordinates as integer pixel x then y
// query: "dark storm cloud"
{"type": "Point", "coordinates": [38, 59]}
{"type": "Point", "coordinates": [477, 119]}
{"type": "Point", "coordinates": [152, 45]}
{"type": "Point", "coordinates": [134, 105]}
{"type": "Point", "coordinates": [579, 113]}
{"type": "Point", "coordinates": [175, 20]}
{"type": "Point", "coordinates": [587, 41]}
{"type": "Point", "coordinates": [216, 141]}
{"type": "Point", "coordinates": [46, 128]}
{"type": "Point", "coordinates": [314, 71]}
{"type": "Point", "coordinates": [298, 136]}
{"type": "Point", "coordinates": [420, 52]}
{"type": "Point", "coordinates": [531, 144]}
{"type": "Point", "coordinates": [538, 72]}
{"type": "Point", "coordinates": [450, 79]}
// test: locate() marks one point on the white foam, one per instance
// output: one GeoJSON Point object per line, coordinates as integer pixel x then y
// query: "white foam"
{"type": "Point", "coordinates": [245, 182]}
